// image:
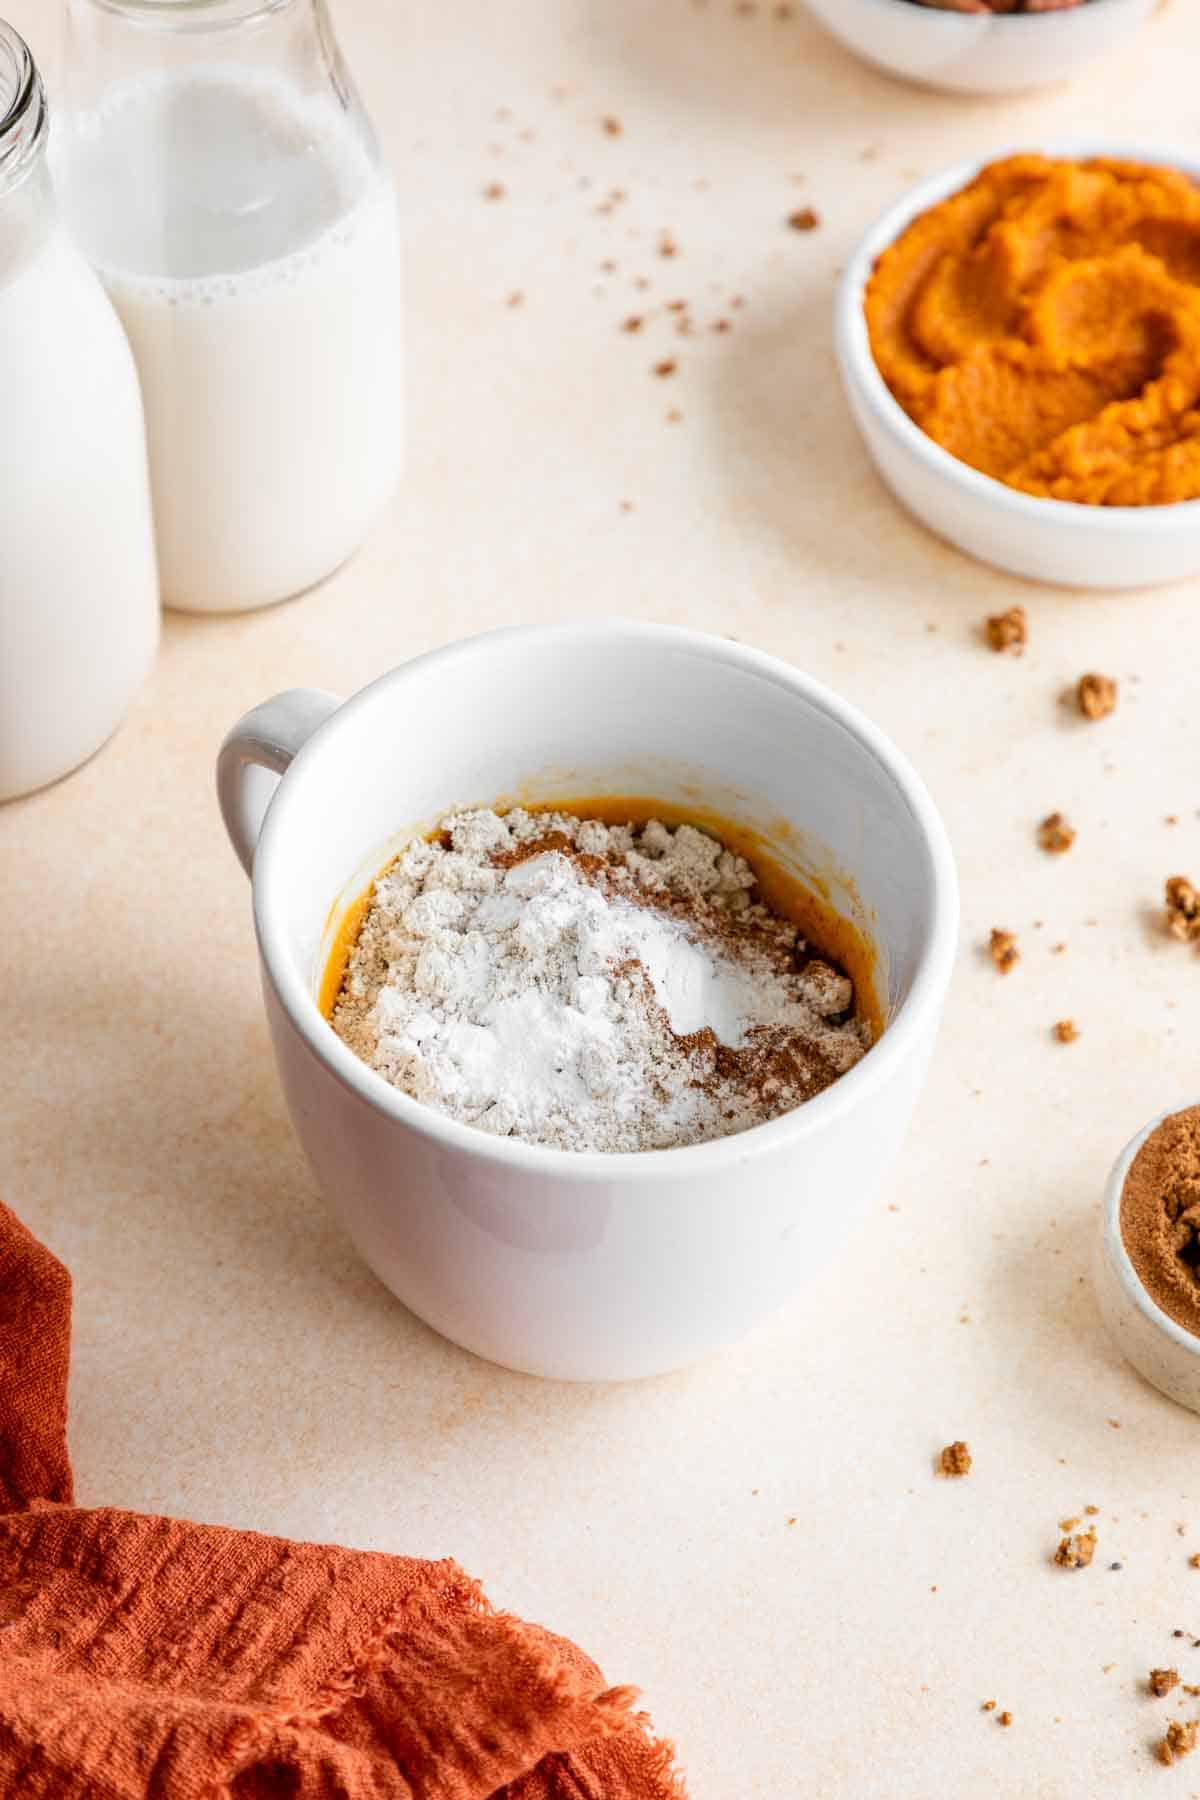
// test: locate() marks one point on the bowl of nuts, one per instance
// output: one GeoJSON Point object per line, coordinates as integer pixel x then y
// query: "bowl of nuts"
{"type": "Point", "coordinates": [981, 46]}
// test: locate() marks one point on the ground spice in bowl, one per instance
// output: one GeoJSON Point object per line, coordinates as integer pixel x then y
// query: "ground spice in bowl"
{"type": "Point", "coordinates": [1160, 1217]}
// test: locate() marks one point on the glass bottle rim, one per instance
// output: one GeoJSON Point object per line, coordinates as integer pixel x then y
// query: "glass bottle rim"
{"type": "Point", "coordinates": [190, 15]}
{"type": "Point", "coordinates": [22, 107]}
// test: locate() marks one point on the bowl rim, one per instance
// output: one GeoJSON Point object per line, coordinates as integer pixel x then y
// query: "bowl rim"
{"type": "Point", "coordinates": [1131, 1283]}
{"type": "Point", "coordinates": [955, 21]}
{"type": "Point", "coordinates": [1169, 519]}
{"type": "Point", "coordinates": [900, 1039]}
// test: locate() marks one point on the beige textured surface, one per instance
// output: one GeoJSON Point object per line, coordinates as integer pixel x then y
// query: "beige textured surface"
{"type": "Point", "coordinates": [234, 1362]}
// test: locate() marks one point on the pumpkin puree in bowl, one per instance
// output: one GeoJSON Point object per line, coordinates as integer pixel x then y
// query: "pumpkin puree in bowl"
{"type": "Point", "coordinates": [1043, 325]}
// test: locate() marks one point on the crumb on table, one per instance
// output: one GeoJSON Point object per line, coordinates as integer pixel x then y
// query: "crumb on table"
{"type": "Point", "coordinates": [1180, 1740]}
{"type": "Point", "coordinates": [1056, 834]}
{"type": "Point", "coordinates": [1183, 908]}
{"type": "Point", "coordinates": [1005, 1719]}
{"type": "Point", "coordinates": [955, 1459]}
{"type": "Point", "coordinates": [1076, 1551]}
{"type": "Point", "coordinates": [1096, 696]}
{"type": "Point", "coordinates": [1002, 947]}
{"type": "Point", "coordinates": [1007, 630]}
{"type": "Point", "coordinates": [1161, 1681]}
{"type": "Point", "coordinates": [1066, 1031]}
{"type": "Point", "coordinates": [988, 1706]}
{"type": "Point", "coordinates": [805, 218]}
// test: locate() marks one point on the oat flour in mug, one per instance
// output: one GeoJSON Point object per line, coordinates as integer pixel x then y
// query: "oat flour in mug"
{"type": "Point", "coordinates": [591, 987]}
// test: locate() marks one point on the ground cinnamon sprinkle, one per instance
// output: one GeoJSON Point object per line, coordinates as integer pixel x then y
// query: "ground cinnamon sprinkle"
{"type": "Point", "coordinates": [1096, 696]}
{"type": "Point", "coordinates": [1002, 948]}
{"type": "Point", "coordinates": [1161, 1681]}
{"type": "Point", "coordinates": [1007, 630]}
{"type": "Point", "coordinates": [955, 1459]}
{"type": "Point", "coordinates": [1160, 1217]}
{"type": "Point", "coordinates": [1056, 834]}
{"type": "Point", "coordinates": [1179, 1741]}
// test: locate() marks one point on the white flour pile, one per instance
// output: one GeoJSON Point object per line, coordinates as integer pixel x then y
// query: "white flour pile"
{"type": "Point", "coordinates": [590, 987]}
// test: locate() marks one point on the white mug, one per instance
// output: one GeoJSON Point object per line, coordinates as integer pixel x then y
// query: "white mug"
{"type": "Point", "coordinates": [589, 1266]}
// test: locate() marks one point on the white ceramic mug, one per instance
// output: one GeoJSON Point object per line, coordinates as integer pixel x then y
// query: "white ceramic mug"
{"type": "Point", "coordinates": [589, 1266]}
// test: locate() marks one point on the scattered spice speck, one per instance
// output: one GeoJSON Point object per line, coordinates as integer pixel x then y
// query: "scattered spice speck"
{"type": "Point", "coordinates": [666, 367]}
{"type": "Point", "coordinates": [516, 298]}
{"type": "Point", "coordinates": [1180, 1740]}
{"type": "Point", "coordinates": [988, 1706]}
{"type": "Point", "coordinates": [955, 1459]}
{"type": "Point", "coordinates": [1056, 834]}
{"type": "Point", "coordinates": [1183, 908]}
{"type": "Point", "coordinates": [1077, 1551]}
{"type": "Point", "coordinates": [805, 218]}
{"type": "Point", "coordinates": [1003, 950]}
{"type": "Point", "coordinates": [1007, 630]}
{"type": "Point", "coordinates": [1194, 1561]}
{"type": "Point", "coordinates": [1096, 696]}
{"type": "Point", "coordinates": [611, 126]}
{"type": "Point", "coordinates": [632, 323]}
{"type": "Point", "coordinates": [495, 190]}
{"type": "Point", "coordinates": [1066, 1031]}
{"type": "Point", "coordinates": [1005, 1719]}
{"type": "Point", "coordinates": [667, 245]}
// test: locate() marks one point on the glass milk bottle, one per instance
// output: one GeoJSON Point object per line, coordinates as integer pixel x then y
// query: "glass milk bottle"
{"type": "Point", "coordinates": [78, 591]}
{"type": "Point", "coordinates": [221, 175]}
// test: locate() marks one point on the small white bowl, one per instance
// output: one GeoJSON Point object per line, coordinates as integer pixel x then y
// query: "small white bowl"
{"type": "Point", "coordinates": [973, 53]}
{"type": "Point", "coordinates": [1159, 1349]}
{"type": "Point", "coordinates": [1044, 540]}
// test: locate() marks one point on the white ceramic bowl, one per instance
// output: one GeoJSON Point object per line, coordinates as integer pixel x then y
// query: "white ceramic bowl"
{"type": "Point", "coordinates": [1162, 1351]}
{"type": "Point", "coordinates": [970, 53]}
{"type": "Point", "coordinates": [1044, 540]}
{"type": "Point", "coordinates": [593, 1265]}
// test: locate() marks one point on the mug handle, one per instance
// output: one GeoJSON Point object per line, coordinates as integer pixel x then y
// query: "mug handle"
{"type": "Point", "coordinates": [256, 753]}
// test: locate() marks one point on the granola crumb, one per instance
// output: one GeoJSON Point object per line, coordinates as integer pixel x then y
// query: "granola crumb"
{"type": "Point", "coordinates": [988, 1706]}
{"type": "Point", "coordinates": [805, 218]}
{"type": "Point", "coordinates": [1183, 908]}
{"type": "Point", "coordinates": [1005, 1719]}
{"type": "Point", "coordinates": [1091, 1511]}
{"type": "Point", "coordinates": [1194, 1561]}
{"type": "Point", "coordinates": [1002, 947]}
{"type": "Point", "coordinates": [1056, 834]}
{"type": "Point", "coordinates": [611, 127]}
{"type": "Point", "coordinates": [1180, 1740]}
{"type": "Point", "coordinates": [955, 1459]}
{"type": "Point", "coordinates": [666, 367]}
{"type": "Point", "coordinates": [1007, 630]}
{"type": "Point", "coordinates": [1161, 1681]}
{"type": "Point", "coordinates": [1066, 1031]}
{"type": "Point", "coordinates": [1067, 1524]}
{"type": "Point", "coordinates": [1076, 1552]}
{"type": "Point", "coordinates": [1096, 696]}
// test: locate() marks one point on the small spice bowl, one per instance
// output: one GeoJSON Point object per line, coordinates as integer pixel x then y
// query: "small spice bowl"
{"type": "Point", "coordinates": [1163, 1352]}
{"type": "Point", "coordinates": [980, 53]}
{"type": "Point", "coordinates": [1057, 541]}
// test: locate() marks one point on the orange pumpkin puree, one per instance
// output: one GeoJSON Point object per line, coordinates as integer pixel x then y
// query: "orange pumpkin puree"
{"type": "Point", "coordinates": [1043, 325]}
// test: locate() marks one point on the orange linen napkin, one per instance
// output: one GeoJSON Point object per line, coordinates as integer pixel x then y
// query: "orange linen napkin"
{"type": "Point", "coordinates": [154, 1658]}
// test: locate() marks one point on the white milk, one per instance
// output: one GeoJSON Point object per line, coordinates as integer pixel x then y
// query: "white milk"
{"type": "Point", "coordinates": [78, 594]}
{"type": "Point", "coordinates": [250, 244]}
